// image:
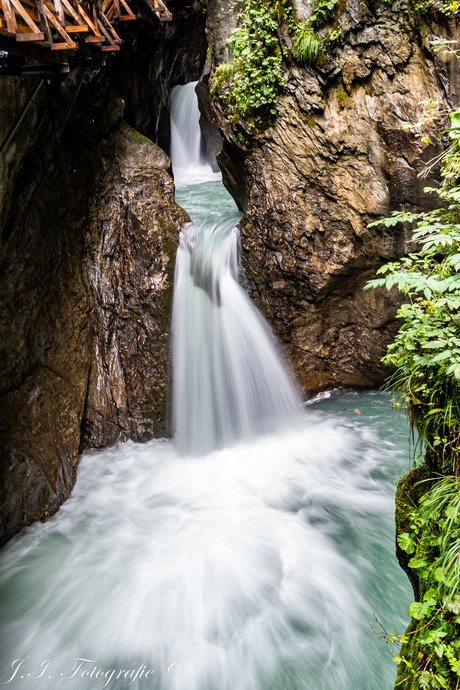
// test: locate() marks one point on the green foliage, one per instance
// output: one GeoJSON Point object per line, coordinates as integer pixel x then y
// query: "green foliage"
{"type": "Point", "coordinates": [450, 8]}
{"type": "Point", "coordinates": [333, 36]}
{"type": "Point", "coordinates": [257, 58]}
{"type": "Point", "coordinates": [323, 12]}
{"type": "Point", "coordinates": [426, 352]}
{"type": "Point", "coordinates": [434, 543]}
{"type": "Point", "coordinates": [307, 46]}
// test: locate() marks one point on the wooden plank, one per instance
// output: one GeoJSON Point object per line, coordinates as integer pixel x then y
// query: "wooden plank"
{"type": "Point", "coordinates": [33, 15]}
{"type": "Point", "coordinates": [31, 10]}
{"type": "Point", "coordinates": [76, 28]}
{"type": "Point", "coordinates": [106, 49]}
{"type": "Point", "coordinates": [65, 36]}
{"type": "Point", "coordinates": [106, 34]}
{"type": "Point", "coordinates": [64, 46]}
{"type": "Point", "coordinates": [11, 25]}
{"type": "Point", "coordinates": [70, 11]}
{"type": "Point", "coordinates": [110, 28]}
{"type": "Point", "coordinates": [20, 10]}
{"type": "Point", "coordinates": [159, 9]}
{"type": "Point", "coordinates": [88, 21]}
{"type": "Point", "coordinates": [36, 50]}
{"type": "Point", "coordinates": [23, 29]}
{"type": "Point", "coordinates": [127, 8]}
{"type": "Point", "coordinates": [44, 26]}
{"type": "Point", "coordinates": [30, 37]}
{"type": "Point", "coordinates": [95, 39]}
{"type": "Point", "coordinates": [160, 4]}
{"type": "Point", "coordinates": [128, 17]}
{"type": "Point", "coordinates": [59, 12]}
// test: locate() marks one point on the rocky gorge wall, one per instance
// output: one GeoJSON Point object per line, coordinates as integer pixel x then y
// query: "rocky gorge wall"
{"type": "Point", "coordinates": [334, 159]}
{"type": "Point", "coordinates": [88, 234]}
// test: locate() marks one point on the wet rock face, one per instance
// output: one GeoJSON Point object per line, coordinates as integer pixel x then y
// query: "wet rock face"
{"type": "Point", "coordinates": [45, 326]}
{"type": "Point", "coordinates": [89, 229]}
{"type": "Point", "coordinates": [334, 160]}
{"type": "Point", "coordinates": [130, 249]}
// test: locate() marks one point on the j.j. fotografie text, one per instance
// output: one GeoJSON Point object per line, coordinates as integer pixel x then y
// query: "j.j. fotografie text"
{"type": "Point", "coordinates": [82, 668]}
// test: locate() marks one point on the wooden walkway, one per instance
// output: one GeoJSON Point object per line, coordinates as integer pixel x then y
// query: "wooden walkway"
{"type": "Point", "coordinates": [72, 24]}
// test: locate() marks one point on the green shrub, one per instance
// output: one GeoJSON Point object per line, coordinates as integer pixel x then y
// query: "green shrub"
{"type": "Point", "coordinates": [257, 58]}
{"type": "Point", "coordinates": [426, 353]}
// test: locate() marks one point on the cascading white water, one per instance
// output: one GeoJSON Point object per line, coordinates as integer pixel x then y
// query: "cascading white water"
{"type": "Point", "coordinates": [185, 152]}
{"type": "Point", "coordinates": [229, 383]}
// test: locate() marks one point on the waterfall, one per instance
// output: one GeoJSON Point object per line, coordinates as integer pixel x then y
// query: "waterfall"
{"type": "Point", "coordinates": [189, 166]}
{"type": "Point", "coordinates": [229, 382]}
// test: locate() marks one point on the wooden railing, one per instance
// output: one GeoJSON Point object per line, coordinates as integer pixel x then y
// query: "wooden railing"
{"type": "Point", "coordinates": [59, 24]}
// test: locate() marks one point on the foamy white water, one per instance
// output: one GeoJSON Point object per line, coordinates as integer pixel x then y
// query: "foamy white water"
{"type": "Point", "coordinates": [251, 568]}
{"type": "Point", "coordinates": [229, 381]}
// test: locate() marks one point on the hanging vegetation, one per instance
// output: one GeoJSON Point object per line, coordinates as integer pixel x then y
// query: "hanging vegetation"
{"type": "Point", "coordinates": [426, 352]}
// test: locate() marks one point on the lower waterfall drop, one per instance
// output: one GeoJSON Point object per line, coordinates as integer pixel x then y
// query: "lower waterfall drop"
{"type": "Point", "coordinates": [229, 383]}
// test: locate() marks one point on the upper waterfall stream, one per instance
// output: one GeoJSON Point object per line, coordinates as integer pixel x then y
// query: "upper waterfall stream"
{"type": "Point", "coordinates": [229, 382]}
{"type": "Point", "coordinates": [253, 554]}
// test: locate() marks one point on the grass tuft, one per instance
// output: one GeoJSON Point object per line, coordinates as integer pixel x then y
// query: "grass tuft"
{"type": "Point", "coordinates": [307, 46]}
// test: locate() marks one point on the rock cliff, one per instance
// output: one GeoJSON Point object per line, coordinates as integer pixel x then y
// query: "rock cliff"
{"type": "Point", "coordinates": [130, 244]}
{"type": "Point", "coordinates": [334, 159]}
{"type": "Point", "coordinates": [89, 229]}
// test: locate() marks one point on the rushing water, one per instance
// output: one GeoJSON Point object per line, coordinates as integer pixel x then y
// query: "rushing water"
{"type": "Point", "coordinates": [189, 167]}
{"type": "Point", "coordinates": [257, 566]}
{"type": "Point", "coordinates": [229, 381]}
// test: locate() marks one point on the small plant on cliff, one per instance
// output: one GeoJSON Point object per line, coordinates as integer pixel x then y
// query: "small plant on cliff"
{"type": "Point", "coordinates": [222, 75]}
{"type": "Point", "coordinates": [449, 8]}
{"type": "Point", "coordinates": [307, 46]}
{"type": "Point", "coordinates": [323, 11]}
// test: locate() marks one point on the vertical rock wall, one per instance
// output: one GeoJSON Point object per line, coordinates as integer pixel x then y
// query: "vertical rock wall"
{"type": "Point", "coordinates": [45, 326]}
{"type": "Point", "coordinates": [88, 233]}
{"type": "Point", "coordinates": [130, 244]}
{"type": "Point", "coordinates": [334, 159]}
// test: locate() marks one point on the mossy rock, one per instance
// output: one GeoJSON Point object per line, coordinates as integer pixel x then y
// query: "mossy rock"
{"type": "Point", "coordinates": [410, 651]}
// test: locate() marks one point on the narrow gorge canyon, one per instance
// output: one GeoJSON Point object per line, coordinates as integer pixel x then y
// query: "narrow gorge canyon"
{"type": "Point", "coordinates": [111, 207]}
